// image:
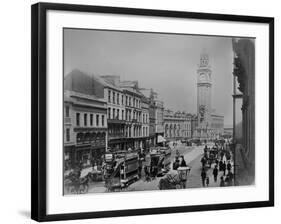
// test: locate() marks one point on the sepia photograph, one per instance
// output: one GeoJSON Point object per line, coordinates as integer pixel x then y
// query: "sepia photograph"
{"type": "Point", "coordinates": [148, 111]}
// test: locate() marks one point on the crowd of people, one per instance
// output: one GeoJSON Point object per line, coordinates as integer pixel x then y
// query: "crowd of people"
{"type": "Point", "coordinates": [216, 162]}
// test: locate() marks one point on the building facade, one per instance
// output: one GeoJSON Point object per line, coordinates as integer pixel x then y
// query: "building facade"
{"type": "Point", "coordinates": [156, 118]}
{"type": "Point", "coordinates": [115, 99]}
{"type": "Point", "coordinates": [136, 112]}
{"type": "Point", "coordinates": [145, 122]}
{"type": "Point", "coordinates": [85, 121]}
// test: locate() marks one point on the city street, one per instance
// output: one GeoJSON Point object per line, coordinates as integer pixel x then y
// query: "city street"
{"type": "Point", "coordinates": [192, 155]}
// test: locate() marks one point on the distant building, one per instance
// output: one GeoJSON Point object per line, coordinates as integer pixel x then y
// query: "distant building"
{"type": "Point", "coordinates": [85, 120]}
{"type": "Point", "coordinates": [156, 118]}
{"type": "Point", "coordinates": [177, 125]}
{"type": "Point", "coordinates": [210, 125]}
{"type": "Point", "coordinates": [228, 132]}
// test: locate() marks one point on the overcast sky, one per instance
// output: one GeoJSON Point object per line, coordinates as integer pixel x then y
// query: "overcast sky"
{"type": "Point", "coordinates": [165, 62]}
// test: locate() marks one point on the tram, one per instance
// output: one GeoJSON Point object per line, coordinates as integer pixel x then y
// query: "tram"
{"type": "Point", "coordinates": [121, 169]}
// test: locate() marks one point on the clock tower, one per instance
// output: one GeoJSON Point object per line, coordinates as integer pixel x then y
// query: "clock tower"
{"type": "Point", "coordinates": [204, 93]}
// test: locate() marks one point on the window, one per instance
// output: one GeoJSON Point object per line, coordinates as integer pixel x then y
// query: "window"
{"type": "Point", "coordinates": [109, 112]}
{"type": "Point", "coordinates": [117, 116]}
{"type": "Point", "coordinates": [78, 119]}
{"type": "Point", "coordinates": [85, 119]}
{"type": "Point", "coordinates": [109, 96]}
{"type": "Point", "coordinates": [113, 113]}
{"type": "Point", "coordinates": [67, 111]}
{"type": "Point", "coordinates": [117, 98]}
{"type": "Point", "coordinates": [102, 120]}
{"type": "Point", "coordinates": [113, 97]}
{"type": "Point", "coordinates": [67, 135]}
{"type": "Point", "coordinates": [97, 120]}
{"type": "Point", "coordinates": [122, 99]}
{"type": "Point", "coordinates": [123, 115]}
{"type": "Point", "coordinates": [126, 100]}
{"type": "Point", "coordinates": [91, 119]}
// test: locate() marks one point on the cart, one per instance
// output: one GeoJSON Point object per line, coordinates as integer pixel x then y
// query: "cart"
{"type": "Point", "coordinates": [175, 179]}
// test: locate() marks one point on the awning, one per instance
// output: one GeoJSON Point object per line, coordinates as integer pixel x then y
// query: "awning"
{"type": "Point", "coordinates": [160, 139]}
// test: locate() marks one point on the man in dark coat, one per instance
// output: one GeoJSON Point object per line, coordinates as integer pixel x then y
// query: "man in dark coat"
{"type": "Point", "coordinates": [203, 161]}
{"type": "Point", "coordinates": [224, 168]}
{"type": "Point", "coordinates": [228, 166]}
{"type": "Point", "coordinates": [182, 162]}
{"type": "Point", "coordinates": [220, 165]}
{"type": "Point", "coordinates": [215, 173]}
{"type": "Point", "coordinates": [203, 176]}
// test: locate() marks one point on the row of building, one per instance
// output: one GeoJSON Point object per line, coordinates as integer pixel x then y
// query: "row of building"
{"type": "Point", "coordinates": [103, 112]}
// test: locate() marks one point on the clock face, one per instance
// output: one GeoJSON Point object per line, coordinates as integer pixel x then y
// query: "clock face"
{"type": "Point", "coordinates": [203, 77]}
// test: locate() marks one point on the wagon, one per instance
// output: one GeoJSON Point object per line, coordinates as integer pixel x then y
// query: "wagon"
{"type": "Point", "coordinates": [175, 179]}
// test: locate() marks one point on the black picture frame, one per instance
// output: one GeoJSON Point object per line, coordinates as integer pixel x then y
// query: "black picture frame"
{"type": "Point", "coordinates": [39, 122]}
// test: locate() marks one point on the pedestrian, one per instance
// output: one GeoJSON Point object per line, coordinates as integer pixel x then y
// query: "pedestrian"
{"type": "Point", "coordinates": [203, 176]}
{"type": "Point", "coordinates": [217, 161]}
{"type": "Point", "coordinates": [222, 183]}
{"type": "Point", "coordinates": [203, 161]}
{"type": "Point", "coordinates": [140, 168]}
{"type": "Point", "coordinates": [147, 174]}
{"type": "Point", "coordinates": [220, 165]}
{"type": "Point", "coordinates": [224, 168]}
{"type": "Point", "coordinates": [207, 181]}
{"type": "Point", "coordinates": [176, 164]}
{"type": "Point", "coordinates": [228, 166]}
{"type": "Point", "coordinates": [182, 162]}
{"type": "Point", "coordinates": [222, 154]}
{"type": "Point", "coordinates": [230, 176]}
{"type": "Point", "coordinates": [215, 173]}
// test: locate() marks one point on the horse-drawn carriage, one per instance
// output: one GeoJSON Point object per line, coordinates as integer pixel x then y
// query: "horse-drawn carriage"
{"type": "Point", "coordinates": [76, 181]}
{"type": "Point", "coordinates": [175, 179]}
{"type": "Point", "coordinates": [159, 160]}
